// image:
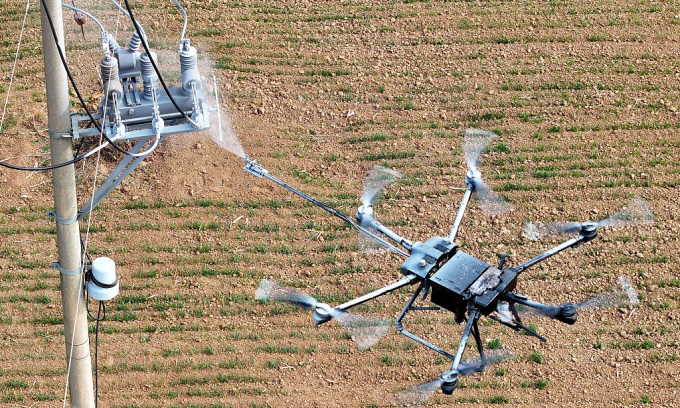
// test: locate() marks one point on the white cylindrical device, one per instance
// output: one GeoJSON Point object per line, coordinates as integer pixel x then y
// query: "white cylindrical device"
{"type": "Point", "coordinates": [103, 283]}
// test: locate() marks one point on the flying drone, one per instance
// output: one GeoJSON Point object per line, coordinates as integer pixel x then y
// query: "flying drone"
{"type": "Point", "coordinates": [455, 280]}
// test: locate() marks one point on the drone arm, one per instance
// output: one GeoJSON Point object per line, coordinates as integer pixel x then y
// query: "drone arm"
{"type": "Point", "coordinates": [394, 236]}
{"type": "Point", "coordinates": [547, 254]}
{"type": "Point", "coordinates": [406, 280]}
{"type": "Point", "coordinates": [366, 217]}
{"type": "Point", "coordinates": [254, 168]}
{"type": "Point", "coordinates": [565, 313]}
{"type": "Point", "coordinates": [461, 212]}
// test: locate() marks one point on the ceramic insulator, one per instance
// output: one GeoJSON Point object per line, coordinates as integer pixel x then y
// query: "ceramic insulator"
{"type": "Point", "coordinates": [188, 59]}
{"type": "Point", "coordinates": [149, 75]}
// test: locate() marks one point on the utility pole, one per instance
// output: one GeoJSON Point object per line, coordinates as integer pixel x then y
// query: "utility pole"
{"type": "Point", "coordinates": [66, 209]}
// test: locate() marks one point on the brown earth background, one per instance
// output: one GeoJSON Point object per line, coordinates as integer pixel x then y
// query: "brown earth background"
{"type": "Point", "coordinates": [584, 95]}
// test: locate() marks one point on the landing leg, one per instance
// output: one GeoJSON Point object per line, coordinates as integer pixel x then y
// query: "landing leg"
{"type": "Point", "coordinates": [451, 382]}
{"type": "Point", "coordinates": [401, 329]}
{"type": "Point", "coordinates": [480, 346]}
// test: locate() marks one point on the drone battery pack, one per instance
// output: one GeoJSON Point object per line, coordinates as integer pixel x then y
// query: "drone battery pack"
{"type": "Point", "coordinates": [465, 279]}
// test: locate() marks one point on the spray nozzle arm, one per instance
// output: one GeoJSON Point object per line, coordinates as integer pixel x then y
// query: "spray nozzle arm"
{"type": "Point", "coordinates": [254, 168]}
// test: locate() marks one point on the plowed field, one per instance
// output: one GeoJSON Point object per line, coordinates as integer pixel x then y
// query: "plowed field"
{"type": "Point", "coordinates": [584, 96]}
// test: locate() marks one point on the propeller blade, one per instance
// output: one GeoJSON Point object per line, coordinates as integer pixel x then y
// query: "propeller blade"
{"type": "Point", "coordinates": [490, 202]}
{"type": "Point", "coordinates": [492, 357]}
{"type": "Point", "coordinates": [623, 294]}
{"type": "Point", "coordinates": [539, 230]}
{"type": "Point", "coordinates": [270, 290]}
{"type": "Point", "coordinates": [474, 143]}
{"type": "Point", "coordinates": [635, 213]}
{"type": "Point", "coordinates": [377, 179]}
{"type": "Point", "coordinates": [365, 331]}
{"type": "Point", "coordinates": [420, 393]}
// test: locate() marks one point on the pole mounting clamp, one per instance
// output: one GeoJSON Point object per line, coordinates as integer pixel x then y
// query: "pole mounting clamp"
{"type": "Point", "coordinates": [67, 272]}
{"type": "Point", "coordinates": [64, 221]}
{"type": "Point", "coordinates": [59, 135]}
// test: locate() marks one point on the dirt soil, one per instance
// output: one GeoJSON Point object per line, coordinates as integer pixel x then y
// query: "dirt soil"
{"type": "Point", "coordinates": [585, 98]}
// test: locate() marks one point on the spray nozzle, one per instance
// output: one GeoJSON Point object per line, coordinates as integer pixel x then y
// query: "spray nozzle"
{"type": "Point", "coordinates": [254, 168]}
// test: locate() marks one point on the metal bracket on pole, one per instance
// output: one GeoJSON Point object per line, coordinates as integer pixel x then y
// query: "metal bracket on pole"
{"type": "Point", "coordinates": [53, 216]}
{"type": "Point", "coordinates": [59, 135]}
{"type": "Point", "coordinates": [116, 177]}
{"type": "Point", "coordinates": [67, 272]}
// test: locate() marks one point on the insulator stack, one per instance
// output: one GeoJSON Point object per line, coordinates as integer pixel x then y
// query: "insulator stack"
{"type": "Point", "coordinates": [114, 47]}
{"type": "Point", "coordinates": [112, 85]}
{"type": "Point", "coordinates": [149, 75]}
{"type": "Point", "coordinates": [135, 41]}
{"type": "Point", "coordinates": [188, 59]}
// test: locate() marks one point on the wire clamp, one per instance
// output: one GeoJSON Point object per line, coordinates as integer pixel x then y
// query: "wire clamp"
{"type": "Point", "coordinates": [67, 272]}
{"type": "Point", "coordinates": [53, 216]}
{"type": "Point", "coordinates": [59, 135]}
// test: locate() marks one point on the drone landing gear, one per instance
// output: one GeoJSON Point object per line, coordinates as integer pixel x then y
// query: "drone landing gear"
{"type": "Point", "coordinates": [449, 383]}
{"type": "Point", "coordinates": [449, 378]}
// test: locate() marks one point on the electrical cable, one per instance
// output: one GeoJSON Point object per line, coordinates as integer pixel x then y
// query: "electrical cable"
{"type": "Point", "coordinates": [153, 63]}
{"type": "Point", "coordinates": [121, 8]}
{"type": "Point", "coordinates": [56, 166]}
{"type": "Point", "coordinates": [184, 27]}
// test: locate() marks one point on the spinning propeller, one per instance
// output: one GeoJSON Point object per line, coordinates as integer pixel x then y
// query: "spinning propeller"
{"type": "Point", "coordinates": [377, 180]}
{"type": "Point", "coordinates": [365, 331]}
{"type": "Point", "coordinates": [419, 394]}
{"type": "Point", "coordinates": [474, 143]}
{"type": "Point", "coordinates": [635, 213]}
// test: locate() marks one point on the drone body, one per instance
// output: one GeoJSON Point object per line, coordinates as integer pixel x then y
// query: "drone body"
{"type": "Point", "coordinates": [455, 280]}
